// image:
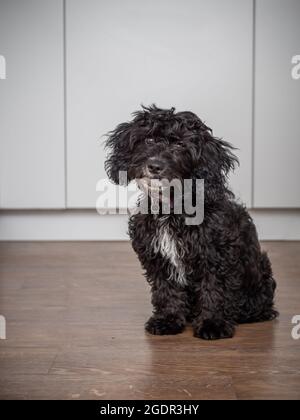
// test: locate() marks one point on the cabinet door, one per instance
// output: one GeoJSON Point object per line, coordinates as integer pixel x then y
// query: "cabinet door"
{"type": "Point", "coordinates": [194, 55]}
{"type": "Point", "coordinates": [277, 104]}
{"type": "Point", "coordinates": [32, 104]}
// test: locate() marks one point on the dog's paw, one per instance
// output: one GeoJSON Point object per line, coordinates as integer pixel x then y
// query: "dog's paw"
{"type": "Point", "coordinates": [214, 329]}
{"type": "Point", "coordinates": [159, 325]}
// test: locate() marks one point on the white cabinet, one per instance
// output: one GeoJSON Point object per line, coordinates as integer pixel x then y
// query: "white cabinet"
{"type": "Point", "coordinates": [277, 104]}
{"type": "Point", "coordinates": [194, 55]}
{"type": "Point", "coordinates": [31, 104]}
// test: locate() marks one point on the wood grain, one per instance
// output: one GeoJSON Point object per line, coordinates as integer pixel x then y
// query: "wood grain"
{"type": "Point", "coordinates": [75, 314]}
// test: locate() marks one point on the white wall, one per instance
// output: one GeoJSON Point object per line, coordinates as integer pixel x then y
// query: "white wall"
{"type": "Point", "coordinates": [194, 55]}
{"type": "Point", "coordinates": [74, 69]}
{"type": "Point", "coordinates": [88, 225]}
{"type": "Point", "coordinates": [32, 172]}
{"type": "Point", "coordinates": [277, 104]}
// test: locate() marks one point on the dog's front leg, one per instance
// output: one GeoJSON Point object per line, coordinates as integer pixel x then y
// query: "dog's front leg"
{"type": "Point", "coordinates": [211, 322]}
{"type": "Point", "coordinates": [170, 307]}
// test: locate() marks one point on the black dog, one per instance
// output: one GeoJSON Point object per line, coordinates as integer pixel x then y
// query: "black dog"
{"type": "Point", "coordinates": [213, 274]}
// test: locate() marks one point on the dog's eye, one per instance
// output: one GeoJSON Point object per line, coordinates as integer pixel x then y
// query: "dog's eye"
{"type": "Point", "coordinates": [149, 141]}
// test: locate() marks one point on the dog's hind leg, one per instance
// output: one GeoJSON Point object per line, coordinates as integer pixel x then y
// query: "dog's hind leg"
{"type": "Point", "coordinates": [269, 287]}
{"type": "Point", "coordinates": [259, 305]}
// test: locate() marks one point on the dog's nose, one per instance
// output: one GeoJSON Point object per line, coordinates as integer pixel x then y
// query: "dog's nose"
{"type": "Point", "coordinates": [155, 166]}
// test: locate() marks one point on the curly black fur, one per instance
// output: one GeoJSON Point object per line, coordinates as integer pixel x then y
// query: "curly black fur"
{"type": "Point", "coordinates": [220, 277]}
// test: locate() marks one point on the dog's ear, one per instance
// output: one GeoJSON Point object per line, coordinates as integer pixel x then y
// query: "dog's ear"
{"type": "Point", "coordinates": [216, 155]}
{"type": "Point", "coordinates": [216, 160]}
{"type": "Point", "coordinates": [119, 155]}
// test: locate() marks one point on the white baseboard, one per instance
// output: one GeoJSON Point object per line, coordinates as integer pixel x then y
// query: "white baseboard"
{"type": "Point", "coordinates": [68, 225]}
{"type": "Point", "coordinates": [71, 225]}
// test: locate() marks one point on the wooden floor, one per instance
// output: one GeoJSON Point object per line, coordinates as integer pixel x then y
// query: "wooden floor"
{"type": "Point", "coordinates": [75, 315]}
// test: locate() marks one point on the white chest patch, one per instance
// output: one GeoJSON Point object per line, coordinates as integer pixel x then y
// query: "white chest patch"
{"type": "Point", "coordinates": [167, 244]}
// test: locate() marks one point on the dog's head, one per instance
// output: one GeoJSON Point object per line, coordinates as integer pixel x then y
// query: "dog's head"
{"type": "Point", "coordinates": [161, 144]}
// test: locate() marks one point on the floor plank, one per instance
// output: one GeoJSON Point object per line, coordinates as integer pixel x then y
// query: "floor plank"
{"type": "Point", "coordinates": [112, 387]}
{"type": "Point", "coordinates": [75, 313]}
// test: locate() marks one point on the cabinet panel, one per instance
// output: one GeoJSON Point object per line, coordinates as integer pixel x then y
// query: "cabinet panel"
{"type": "Point", "coordinates": [277, 104]}
{"type": "Point", "coordinates": [194, 55]}
{"type": "Point", "coordinates": [32, 104]}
